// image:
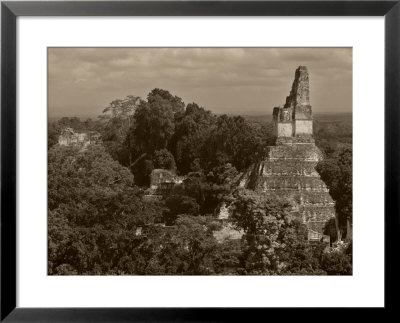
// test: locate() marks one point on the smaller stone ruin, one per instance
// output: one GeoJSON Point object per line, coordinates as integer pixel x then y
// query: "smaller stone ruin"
{"type": "Point", "coordinates": [228, 230]}
{"type": "Point", "coordinates": [69, 137]}
{"type": "Point", "coordinates": [163, 180]}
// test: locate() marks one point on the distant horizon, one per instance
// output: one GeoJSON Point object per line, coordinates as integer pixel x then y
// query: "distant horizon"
{"type": "Point", "coordinates": [83, 81]}
{"type": "Point", "coordinates": [85, 117]}
{"type": "Point", "coordinates": [252, 112]}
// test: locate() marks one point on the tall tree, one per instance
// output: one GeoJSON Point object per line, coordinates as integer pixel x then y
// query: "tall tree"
{"type": "Point", "coordinates": [275, 242]}
{"type": "Point", "coordinates": [117, 119]}
{"type": "Point", "coordinates": [192, 128]}
{"type": "Point", "coordinates": [94, 210]}
{"type": "Point", "coordinates": [153, 127]}
{"type": "Point", "coordinates": [169, 101]}
{"type": "Point", "coordinates": [337, 173]}
{"type": "Point", "coordinates": [262, 220]}
{"type": "Point", "coordinates": [233, 140]}
{"type": "Point", "coordinates": [164, 159]}
{"type": "Point", "coordinates": [185, 248]}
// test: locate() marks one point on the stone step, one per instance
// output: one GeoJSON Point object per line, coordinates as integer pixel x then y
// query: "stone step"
{"type": "Point", "coordinates": [306, 152]}
{"type": "Point", "coordinates": [293, 167]}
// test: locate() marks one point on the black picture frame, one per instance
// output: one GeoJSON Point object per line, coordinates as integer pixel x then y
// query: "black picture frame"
{"type": "Point", "coordinates": [9, 13]}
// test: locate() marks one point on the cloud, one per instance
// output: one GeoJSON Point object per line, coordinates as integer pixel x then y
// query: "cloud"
{"type": "Point", "coordinates": [82, 81]}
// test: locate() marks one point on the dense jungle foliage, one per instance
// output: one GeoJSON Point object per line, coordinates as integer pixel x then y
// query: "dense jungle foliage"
{"type": "Point", "coordinates": [99, 222]}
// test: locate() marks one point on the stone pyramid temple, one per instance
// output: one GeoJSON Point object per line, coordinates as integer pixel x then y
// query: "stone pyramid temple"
{"type": "Point", "coordinates": [288, 170]}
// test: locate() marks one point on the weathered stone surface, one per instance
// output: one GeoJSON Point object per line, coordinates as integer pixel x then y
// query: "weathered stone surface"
{"type": "Point", "coordinates": [69, 137]}
{"type": "Point", "coordinates": [164, 179]}
{"type": "Point", "coordinates": [300, 93]}
{"type": "Point", "coordinates": [294, 118]}
{"type": "Point", "coordinates": [223, 213]}
{"type": "Point", "coordinates": [288, 171]}
{"type": "Point", "coordinates": [227, 232]}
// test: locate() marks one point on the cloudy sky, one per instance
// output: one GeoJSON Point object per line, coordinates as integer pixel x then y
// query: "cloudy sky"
{"type": "Point", "coordinates": [82, 81]}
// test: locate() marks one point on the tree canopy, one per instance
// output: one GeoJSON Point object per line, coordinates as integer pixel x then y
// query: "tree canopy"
{"type": "Point", "coordinates": [337, 173]}
{"type": "Point", "coordinates": [103, 221]}
{"type": "Point", "coordinates": [92, 205]}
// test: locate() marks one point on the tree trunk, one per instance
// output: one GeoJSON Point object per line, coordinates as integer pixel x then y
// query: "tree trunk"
{"type": "Point", "coordinates": [129, 149]}
{"type": "Point", "coordinates": [135, 162]}
{"type": "Point", "coordinates": [339, 234]}
{"type": "Point", "coordinates": [349, 234]}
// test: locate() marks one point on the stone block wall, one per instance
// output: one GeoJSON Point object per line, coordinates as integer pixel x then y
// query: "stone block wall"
{"type": "Point", "coordinates": [69, 137]}
{"type": "Point", "coordinates": [295, 182]}
{"type": "Point", "coordinates": [303, 127]}
{"type": "Point", "coordinates": [284, 129]}
{"type": "Point", "coordinates": [294, 118]}
{"type": "Point", "coordinates": [295, 152]}
{"type": "Point", "coordinates": [160, 176]}
{"type": "Point", "coordinates": [289, 167]}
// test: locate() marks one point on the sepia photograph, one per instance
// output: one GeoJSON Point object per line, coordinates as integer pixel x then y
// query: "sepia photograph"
{"type": "Point", "coordinates": [200, 161]}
